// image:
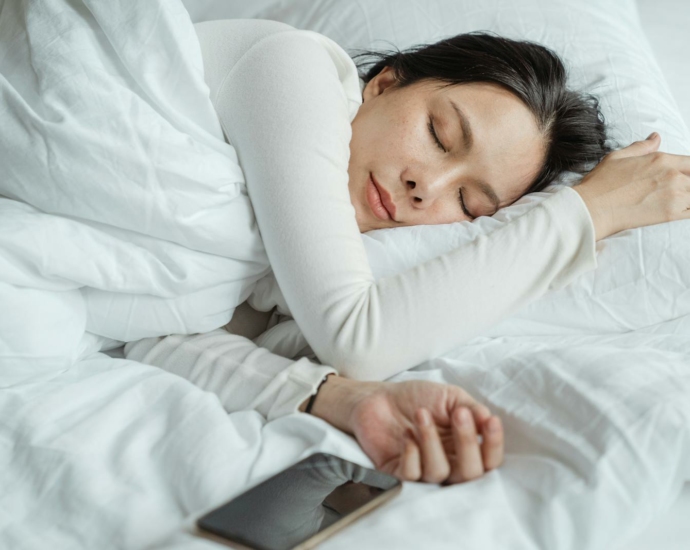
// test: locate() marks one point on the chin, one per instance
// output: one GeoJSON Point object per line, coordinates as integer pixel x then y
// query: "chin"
{"type": "Point", "coordinates": [368, 225]}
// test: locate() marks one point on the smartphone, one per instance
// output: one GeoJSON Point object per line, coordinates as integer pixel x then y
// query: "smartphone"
{"type": "Point", "coordinates": [299, 507]}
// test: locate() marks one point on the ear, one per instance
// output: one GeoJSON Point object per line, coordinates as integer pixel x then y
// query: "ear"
{"type": "Point", "coordinates": [381, 82]}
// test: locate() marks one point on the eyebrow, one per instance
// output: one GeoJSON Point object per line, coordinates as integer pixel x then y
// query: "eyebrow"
{"type": "Point", "coordinates": [468, 141]}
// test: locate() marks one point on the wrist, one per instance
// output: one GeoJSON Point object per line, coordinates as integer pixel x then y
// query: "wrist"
{"type": "Point", "coordinates": [599, 211]}
{"type": "Point", "coordinates": [337, 398]}
{"type": "Point", "coordinates": [308, 404]}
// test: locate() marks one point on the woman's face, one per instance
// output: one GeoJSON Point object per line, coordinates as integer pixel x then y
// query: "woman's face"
{"type": "Point", "coordinates": [400, 175]}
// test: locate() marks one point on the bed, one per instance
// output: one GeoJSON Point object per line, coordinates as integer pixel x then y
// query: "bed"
{"type": "Point", "coordinates": [592, 381]}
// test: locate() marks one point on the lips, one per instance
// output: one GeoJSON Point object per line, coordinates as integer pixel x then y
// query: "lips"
{"type": "Point", "coordinates": [380, 200]}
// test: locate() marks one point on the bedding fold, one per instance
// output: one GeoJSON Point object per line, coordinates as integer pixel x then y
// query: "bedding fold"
{"type": "Point", "coordinates": [116, 177]}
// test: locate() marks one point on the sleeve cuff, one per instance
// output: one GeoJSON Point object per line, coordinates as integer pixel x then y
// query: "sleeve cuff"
{"type": "Point", "coordinates": [302, 381]}
{"type": "Point", "coordinates": [571, 215]}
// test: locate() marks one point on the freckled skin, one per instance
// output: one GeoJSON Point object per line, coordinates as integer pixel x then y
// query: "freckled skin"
{"type": "Point", "coordinates": [391, 139]}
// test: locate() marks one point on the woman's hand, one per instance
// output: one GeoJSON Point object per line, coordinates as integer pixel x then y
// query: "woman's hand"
{"type": "Point", "coordinates": [637, 186]}
{"type": "Point", "coordinates": [416, 430]}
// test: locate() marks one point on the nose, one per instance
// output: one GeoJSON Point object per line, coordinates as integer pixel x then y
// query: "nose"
{"type": "Point", "coordinates": [424, 190]}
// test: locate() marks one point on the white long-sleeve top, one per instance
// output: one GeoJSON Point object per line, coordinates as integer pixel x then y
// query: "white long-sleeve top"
{"type": "Point", "coordinates": [242, 375]}
{"type": "Point", "coordinates": [285, 99]}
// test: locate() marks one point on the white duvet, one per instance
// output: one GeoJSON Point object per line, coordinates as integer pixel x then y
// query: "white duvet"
{"type": "Point", "coordinates": [133, 207]}
{"type": "Point", "coordinates": [121, 203]}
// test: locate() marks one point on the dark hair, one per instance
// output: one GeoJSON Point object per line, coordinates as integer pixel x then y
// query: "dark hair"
{"type": "Point", "coordinates": [570, 121]}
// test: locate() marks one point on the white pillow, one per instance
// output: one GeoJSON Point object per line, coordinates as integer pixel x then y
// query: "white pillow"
{"type": "Point", "coordinates": [642, 278]}
{"type": "Point", "coordinates": [602, 44]}
{"type": "Point", "coordinates": [665, 22]}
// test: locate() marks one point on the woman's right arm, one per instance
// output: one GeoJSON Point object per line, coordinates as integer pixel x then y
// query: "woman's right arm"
{"type": "Point", "coordinates": [284, 109]}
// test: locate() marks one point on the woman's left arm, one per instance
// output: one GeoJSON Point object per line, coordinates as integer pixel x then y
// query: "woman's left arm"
{"type": "Point", "coordinates": [242, 375]}
{"type": "Point", "coordinates": [412, 430]}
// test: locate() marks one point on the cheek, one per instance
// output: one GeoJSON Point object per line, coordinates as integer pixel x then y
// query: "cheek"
{"type": "Point", "coordinates": [409, 136]}
{"type": "Point", "coordinates": [356, 146]}
{"type": "Point", "coordinates": [391, 134]}
{"type": "Point", "coordinates": [447, 213]}
{"type": "Point", "coordinates": [442, 212]}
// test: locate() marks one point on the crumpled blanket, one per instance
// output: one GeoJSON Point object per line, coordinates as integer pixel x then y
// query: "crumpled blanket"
{"type": "Point", "coordinates": [118, 189]}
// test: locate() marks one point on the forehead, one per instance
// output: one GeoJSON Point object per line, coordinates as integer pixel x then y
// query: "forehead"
{"type": "Point", "coordinates": [486, 104]}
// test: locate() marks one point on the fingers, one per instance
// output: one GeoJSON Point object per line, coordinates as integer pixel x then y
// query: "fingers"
{"type": "Point", "coordinates": [435, 466]}
{"type": "Point", "coordinates": [410, 466]}
{"type": "Point", "coordinates": [427, 456]}
{"type": "Point", "coordinates": [492, 443]}
{"type": "Point", "coordinates": [649, 146]}
{"type": "Point", "coordinates": [481, 413]}
{"type": "Point", "coordinates": [639, 148]}
{"type": "Point", "coordinates": [468, 462]}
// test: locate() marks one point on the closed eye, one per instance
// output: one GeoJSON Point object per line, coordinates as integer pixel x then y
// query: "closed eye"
{"type": "Point", "coordinates": [432, 131]}
{"type": "Point", "coordinates": [464, 207]}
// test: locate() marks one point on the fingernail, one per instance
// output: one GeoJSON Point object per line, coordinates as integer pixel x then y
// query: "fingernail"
{"type": "Point", "coordinates": [652, 135]}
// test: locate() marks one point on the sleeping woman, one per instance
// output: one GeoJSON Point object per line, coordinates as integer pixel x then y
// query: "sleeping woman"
{"type": "Point", "coordinates": [443, 133]}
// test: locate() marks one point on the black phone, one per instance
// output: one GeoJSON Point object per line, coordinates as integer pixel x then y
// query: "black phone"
{"type": "Point", "coordinates": [301, 506]}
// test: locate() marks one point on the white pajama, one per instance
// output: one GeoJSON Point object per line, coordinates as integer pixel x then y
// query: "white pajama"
{"type": "Point", "coordinates": [242, 375]}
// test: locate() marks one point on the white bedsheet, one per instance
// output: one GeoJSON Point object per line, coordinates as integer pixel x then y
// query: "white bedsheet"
{"type": "Point", "coordinates": [97, 452]}
{"type": "Point", "coordinates": [114, 454]}
{"type": "Point", "coordinates": [670, 531]}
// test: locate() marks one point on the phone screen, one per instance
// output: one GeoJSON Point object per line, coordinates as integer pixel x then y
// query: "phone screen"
{"type": "Point", "coordinates": [316, 496]}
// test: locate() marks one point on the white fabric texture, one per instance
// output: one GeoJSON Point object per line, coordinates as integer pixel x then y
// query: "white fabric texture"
{"type": "Point", "coordinates": [116, 454]}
